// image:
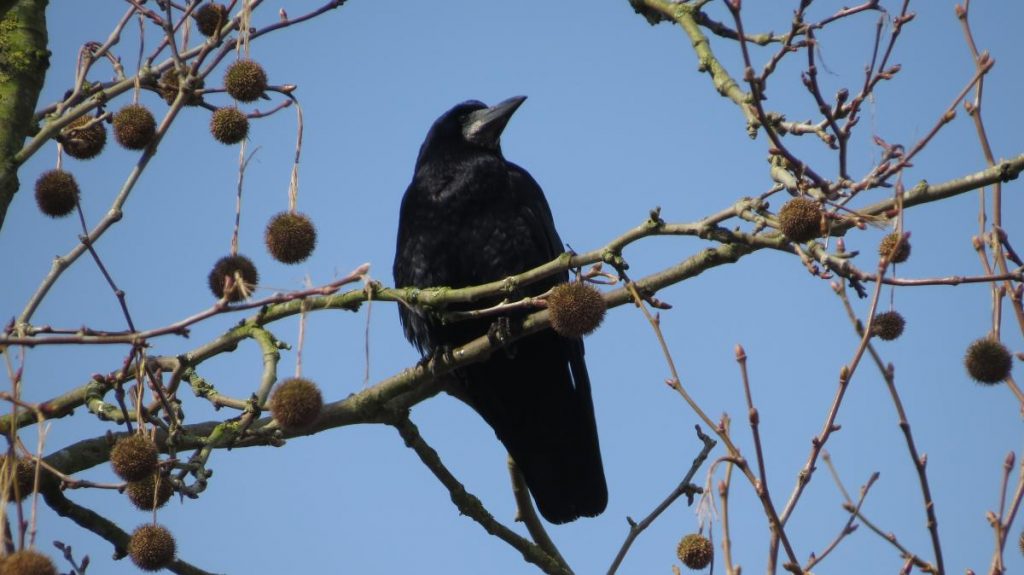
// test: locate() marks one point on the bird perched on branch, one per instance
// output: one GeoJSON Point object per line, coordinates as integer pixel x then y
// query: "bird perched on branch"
{"type": "Point", "coordinates": [470, 217]}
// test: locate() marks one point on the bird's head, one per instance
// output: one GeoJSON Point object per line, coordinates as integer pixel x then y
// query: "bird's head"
{"type": "Point", "coordinates": [470, 125]}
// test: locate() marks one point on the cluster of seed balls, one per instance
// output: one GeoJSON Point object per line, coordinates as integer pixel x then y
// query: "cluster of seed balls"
{"type": "Point", "coordinates": [802, 220]}
{"type": "Point", "coordinates": [135, 127]}
{"type": "Point", "coordinates": [987, 360]}
{"type": "Point", "coordinates": [889, 325]}
{"type": "Point", "coordinates": [290, 237]}
{"type": "Point", "coordinates": [136, 459]}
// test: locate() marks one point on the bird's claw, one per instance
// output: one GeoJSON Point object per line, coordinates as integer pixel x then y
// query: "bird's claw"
{"type": "Point", "coordinates": [437, 358]}
{"type": "Point", "coordinates": [499, 334]}
{"type": "Point", "coordinates": [500, 331]}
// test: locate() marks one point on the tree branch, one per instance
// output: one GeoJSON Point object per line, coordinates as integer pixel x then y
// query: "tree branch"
{"type": "Point", "coordinates": [469, 505]}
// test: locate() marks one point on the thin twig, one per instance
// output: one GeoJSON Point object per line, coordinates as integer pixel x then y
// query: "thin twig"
{"type": "Point", "coordinates": [685, 487]}
{"type": "Point", "coordinates": [753, 415]}
{"type": "Point", "coordinates": [723, 494]}
{"type": "Point", "coordinates": [849, 527]}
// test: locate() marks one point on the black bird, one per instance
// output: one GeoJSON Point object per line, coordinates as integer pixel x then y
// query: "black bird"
{"type": "Point", "coordinates": [470, 217]}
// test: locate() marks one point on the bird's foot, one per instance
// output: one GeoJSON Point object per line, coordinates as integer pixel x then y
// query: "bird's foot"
{"type": "Point", "coordinates": [500, 333]}
{"type": "Point", "coordinates": [439, 357]}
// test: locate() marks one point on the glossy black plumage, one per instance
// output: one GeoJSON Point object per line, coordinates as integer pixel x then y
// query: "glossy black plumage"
{"type": "Point", "coordinates": [469, 217]}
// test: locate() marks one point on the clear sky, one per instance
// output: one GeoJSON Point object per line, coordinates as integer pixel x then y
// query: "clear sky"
{"type": "Point", "coordinates": [618, 121]}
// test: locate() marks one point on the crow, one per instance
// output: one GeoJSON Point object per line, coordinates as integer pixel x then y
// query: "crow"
{"type": "Point", "coordinates": [470, 217]}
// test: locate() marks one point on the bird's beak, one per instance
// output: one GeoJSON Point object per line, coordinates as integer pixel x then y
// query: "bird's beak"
{"type": "Point", "coordinates": [484, 127]}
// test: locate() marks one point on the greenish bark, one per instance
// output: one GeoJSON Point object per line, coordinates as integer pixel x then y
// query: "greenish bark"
{"type": "Point", "coordinates": [5, 5]}
{"type": "Point", "coordinates": [24, 60]}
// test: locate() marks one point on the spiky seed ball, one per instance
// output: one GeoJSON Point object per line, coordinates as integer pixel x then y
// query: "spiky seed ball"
{"type": "Point", "coordinates": [150, 493]}
{"type": "Point", "coordinates": [83, 140]}
{"type": "Point", "coordinates": [134, 457]}
{"type": "Point", "coordinates": [229, 125]}
{"type": "Point", "coordinates": [134, 126]}
{"type": "Point", "coordinates": [56, 193]}
{"type": "Point", "coordinates": [988, 361]}
{"type": "Point", "coordinates": [169, 89]}
{"type": "Point", "coordinates": [242, 272]}
{"type": "Point", "coordinates": [151, 547]}
{"type": "Point", "coordinates": [889, 243]}
{"type": "Point", "coordinates": [695, 551]}
{"type": "Point", "coordinates": [290, 237]}
{"type": "Point", "coordinates": [576, 309]}
{"type": "Point", "coordinates": [24, 477]}
{"type": "Point", "coordinates": [800, 220]}
{"type": "Point", "coordinates": [210, 18]}
{"type": "Point", "coordinates": [888, 325]}
{"type": "Point", "coordinates": [296, 403]}
{"type": "Point", "coordinates": [245, 80]}
{"type": "Point", "coordinates": [27, 562]}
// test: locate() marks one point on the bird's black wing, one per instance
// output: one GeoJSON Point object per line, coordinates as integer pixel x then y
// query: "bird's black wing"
{"type": "Point", "coordinates": [413, 267]}
{"type": "Point", "coordinates": [535, 205]}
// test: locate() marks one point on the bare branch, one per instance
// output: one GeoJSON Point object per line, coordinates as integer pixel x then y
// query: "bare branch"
{"type": "Point", "coordinates": [469, 505]}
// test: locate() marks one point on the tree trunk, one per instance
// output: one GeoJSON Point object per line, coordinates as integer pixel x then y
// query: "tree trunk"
{"type": "Point", "coordinates": [24, 60]}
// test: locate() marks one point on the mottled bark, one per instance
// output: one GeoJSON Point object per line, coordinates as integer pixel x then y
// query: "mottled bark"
{"type": "Point", "coordinates": [24, 60]}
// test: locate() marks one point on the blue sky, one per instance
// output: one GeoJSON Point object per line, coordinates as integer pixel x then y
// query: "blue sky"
{"type": "Point", "coordinates": [618, 121]}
